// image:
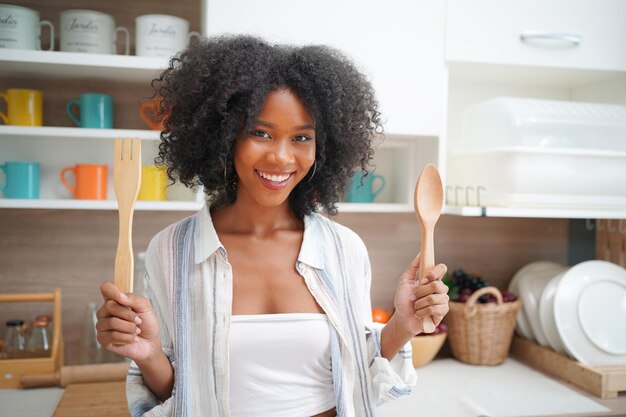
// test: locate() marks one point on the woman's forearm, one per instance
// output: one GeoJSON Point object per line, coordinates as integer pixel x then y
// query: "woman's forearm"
{"type": "Point", "coordinates": [392, 337]}
{"type": "Point", "coordinates": [158, 375]}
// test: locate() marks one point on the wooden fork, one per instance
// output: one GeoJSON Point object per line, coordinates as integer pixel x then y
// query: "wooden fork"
{"type": "Point", "coordinates": [126, 181]}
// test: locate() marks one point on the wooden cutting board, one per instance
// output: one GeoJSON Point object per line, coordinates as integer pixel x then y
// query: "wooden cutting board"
{"type": "Point", "coordinates": [102, 399]}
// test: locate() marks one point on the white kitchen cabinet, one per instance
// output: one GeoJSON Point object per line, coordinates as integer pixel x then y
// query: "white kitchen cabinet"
{"type": "Point", "coordinates": [557, 33]}
{"type": "Point", "coordinates": [428, 61]}
{"type": "Point", "coordinates": [486, 59]}
{"type": "Point", "coordinates": [398, 44]}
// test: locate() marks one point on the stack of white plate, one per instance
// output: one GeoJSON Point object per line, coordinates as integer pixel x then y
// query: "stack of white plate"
{"type": "Point", "coordinates": [579, 311]}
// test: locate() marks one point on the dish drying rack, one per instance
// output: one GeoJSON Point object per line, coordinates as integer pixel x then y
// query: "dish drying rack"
{"type": "Point", "coordinates": [604, 381]}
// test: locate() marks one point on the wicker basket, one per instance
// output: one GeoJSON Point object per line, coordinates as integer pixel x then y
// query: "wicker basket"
{"type": "Point", "coordinates": [481, 334]}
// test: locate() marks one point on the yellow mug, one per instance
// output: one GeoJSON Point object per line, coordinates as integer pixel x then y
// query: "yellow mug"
{"type": "Point", "coordinates": [153, 183]}
{"type": "Point", "coordinates": [24, 107]}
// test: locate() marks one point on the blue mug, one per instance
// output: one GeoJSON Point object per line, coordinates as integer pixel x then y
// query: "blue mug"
{"type": "Point", "coordinates": [95, 110]}
{"type": "Point", "coordinates": [21, 179]}
{"type": "Point", "coordinates": [366, 193]}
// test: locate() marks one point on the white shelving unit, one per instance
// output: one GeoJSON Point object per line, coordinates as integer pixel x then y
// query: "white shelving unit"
{"type": "Point", "coordinates": [58, 147]}
{"type": "Point", "coordinates": [55, 65]}
{"type": "Point", "coordinates": [66, 146]}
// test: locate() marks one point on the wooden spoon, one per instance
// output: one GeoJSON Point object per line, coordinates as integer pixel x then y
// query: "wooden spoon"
{"type": "Point", "coordinates": [428, 205]}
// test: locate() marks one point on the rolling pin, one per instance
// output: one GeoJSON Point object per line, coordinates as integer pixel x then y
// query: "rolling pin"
{"type": "Point", "coordinates": [104, 372]}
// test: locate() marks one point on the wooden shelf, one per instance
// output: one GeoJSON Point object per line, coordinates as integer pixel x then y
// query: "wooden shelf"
{"type": "Point", "coordinates": [72, 65]}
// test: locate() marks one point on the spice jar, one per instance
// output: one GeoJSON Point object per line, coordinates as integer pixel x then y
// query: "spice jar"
{"type": "Point", "coordinates": [49, 325]}
{"type": "Point", "coordinates": [38, 342]}
{"type": "Point", "coordinates": [15, 340]}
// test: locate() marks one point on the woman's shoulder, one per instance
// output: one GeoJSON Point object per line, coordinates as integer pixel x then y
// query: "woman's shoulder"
{"type": "Point", "coordinates": [337, 233]}
{"type": "Point", "coordinates": [169, 237]}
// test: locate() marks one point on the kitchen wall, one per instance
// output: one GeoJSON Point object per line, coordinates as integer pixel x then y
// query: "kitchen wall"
{"type": "Point", "coordinates": [75, 250]}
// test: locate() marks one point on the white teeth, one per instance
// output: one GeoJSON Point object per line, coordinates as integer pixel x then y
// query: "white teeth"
{"type": "Point", "coordinates": [274, 178]}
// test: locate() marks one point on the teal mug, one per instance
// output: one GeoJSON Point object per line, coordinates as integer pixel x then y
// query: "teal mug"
{"type": "Point", "coordinates": [95, 110]}
{"type": "Point", "coordinates": [21, 179]}
{"type": "Point", "coordinates": [367, 192]}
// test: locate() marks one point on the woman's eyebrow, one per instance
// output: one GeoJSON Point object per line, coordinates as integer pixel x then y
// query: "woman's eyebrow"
{"type": "Point", "coordinates": [301, 127]}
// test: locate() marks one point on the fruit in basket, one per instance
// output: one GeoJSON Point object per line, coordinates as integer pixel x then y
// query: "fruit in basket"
{"type": "Point", "coordinates": [462, 284]}
{"type": "Point", "coordinates": [380, 315]}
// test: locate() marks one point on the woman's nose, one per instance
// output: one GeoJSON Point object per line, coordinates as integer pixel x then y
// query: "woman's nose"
{"type": "Point", "coordinates": [280, 154]}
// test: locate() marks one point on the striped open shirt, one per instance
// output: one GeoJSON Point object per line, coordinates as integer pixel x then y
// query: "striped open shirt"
{"type": "Point", "coordinates": [190, 286]}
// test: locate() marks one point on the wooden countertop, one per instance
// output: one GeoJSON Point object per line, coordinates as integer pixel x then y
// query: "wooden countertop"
{"type": "Point", "coordinates": [102, 399]}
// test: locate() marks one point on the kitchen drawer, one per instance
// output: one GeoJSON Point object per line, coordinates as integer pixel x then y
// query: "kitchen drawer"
{"type": "Point", "coordinates": [557, 33]}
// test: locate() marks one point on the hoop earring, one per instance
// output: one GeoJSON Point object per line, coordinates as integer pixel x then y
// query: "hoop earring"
{"type": "Point", "coordinates": [314, 168]}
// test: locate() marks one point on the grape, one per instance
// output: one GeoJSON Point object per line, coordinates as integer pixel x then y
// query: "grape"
{"type": "Point", "coordinates": [508, 297]}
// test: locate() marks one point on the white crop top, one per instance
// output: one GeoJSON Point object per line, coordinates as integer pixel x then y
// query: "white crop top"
{"type": "Point", "coordinates": [280, 365]}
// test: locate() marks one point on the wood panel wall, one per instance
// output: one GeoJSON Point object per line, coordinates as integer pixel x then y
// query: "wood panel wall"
{"type": "Point", "coordinates": [75, 250]}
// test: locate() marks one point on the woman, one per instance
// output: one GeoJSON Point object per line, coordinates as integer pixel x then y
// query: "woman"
{"type": "Point", "coordinates": [260, 306]}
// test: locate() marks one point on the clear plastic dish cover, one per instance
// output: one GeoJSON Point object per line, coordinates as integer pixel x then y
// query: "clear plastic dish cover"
{"type": "Point", "coordinates": [506, 122]}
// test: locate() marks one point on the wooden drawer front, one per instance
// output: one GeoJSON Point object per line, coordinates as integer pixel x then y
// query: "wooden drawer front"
{"type": "Point", "coordinates": [556, 33]}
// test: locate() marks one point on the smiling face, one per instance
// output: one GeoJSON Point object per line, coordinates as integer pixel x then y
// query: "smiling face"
{"type": "Point", "coordinates": [277, 153]}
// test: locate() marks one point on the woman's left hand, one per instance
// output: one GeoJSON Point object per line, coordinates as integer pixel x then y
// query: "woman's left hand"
{"type": "Point", "coordinates": [414, 301]}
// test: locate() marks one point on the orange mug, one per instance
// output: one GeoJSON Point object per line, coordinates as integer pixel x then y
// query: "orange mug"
{"type": "Point", "coordinates": [154, 121]}
{"type": "Point", "coordinates": [91, 181]}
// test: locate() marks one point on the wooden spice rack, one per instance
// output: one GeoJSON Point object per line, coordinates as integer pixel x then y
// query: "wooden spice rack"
{"type": "Point", "coordinates": [605, 381]}
{"type": "Point", "coordinates": [12, 369]}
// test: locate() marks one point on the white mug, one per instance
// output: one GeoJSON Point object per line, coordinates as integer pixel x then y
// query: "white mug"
{"type": "Point", "coordinates": [20, 28]}
{"type": "Point", "coordinates": [90, 31]}
{"type": "Point", "coordinates": [161, 35]}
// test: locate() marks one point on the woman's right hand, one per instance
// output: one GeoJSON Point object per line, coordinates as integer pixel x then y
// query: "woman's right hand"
{"type": "Point", "coordinates": [127, 324]}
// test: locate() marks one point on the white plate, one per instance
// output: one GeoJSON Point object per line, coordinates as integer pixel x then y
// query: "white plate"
{"type": "Point", "coordinates": [546, 314]}
{"type": "Point", "coordinates": [531, 286]}
{"type": "Point", "coordinates": [590, 312]}
{"type": "Point", "coordinates": [521, 321]}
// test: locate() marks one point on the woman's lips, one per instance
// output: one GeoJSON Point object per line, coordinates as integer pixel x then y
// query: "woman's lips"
{"type": "Point", "coordinates": [274, 185]}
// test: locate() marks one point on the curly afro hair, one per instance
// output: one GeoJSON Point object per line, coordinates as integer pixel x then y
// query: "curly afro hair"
{"type": "Point", "coordinates": [216, 88]}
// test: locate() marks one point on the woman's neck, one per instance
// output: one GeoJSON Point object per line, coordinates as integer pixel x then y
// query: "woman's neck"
{"type": "Point", "coordinates": [248, 217]}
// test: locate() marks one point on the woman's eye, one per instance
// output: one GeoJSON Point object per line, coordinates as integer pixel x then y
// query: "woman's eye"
{"type": "Point", "coordinates": [260, 133]}
{"type": "Point", "coordinates": [302, 138]}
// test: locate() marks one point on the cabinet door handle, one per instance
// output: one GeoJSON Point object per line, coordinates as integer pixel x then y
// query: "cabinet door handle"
{"type": "Point", "coordinates": [550, 39]}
